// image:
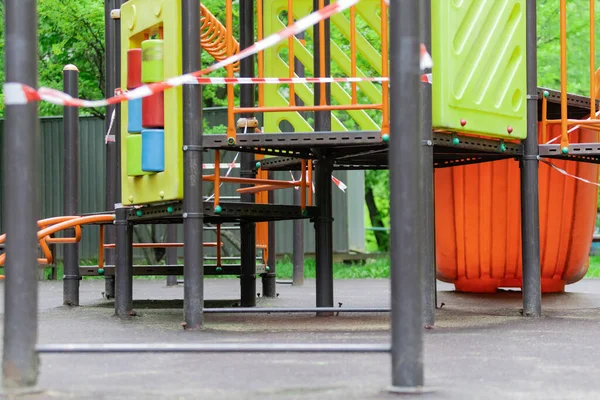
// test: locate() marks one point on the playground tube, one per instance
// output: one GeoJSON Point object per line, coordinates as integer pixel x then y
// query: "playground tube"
{"type": "Point", "coordinates": [478, 222]}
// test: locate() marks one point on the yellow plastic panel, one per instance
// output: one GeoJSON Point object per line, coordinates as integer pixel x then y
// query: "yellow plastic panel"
{"type": "Point", "coordinates": [479, 73]}
{"type": "Point", "coordinates": [139, 17]}
{"type": "Point", "coordinates": [275, 66]}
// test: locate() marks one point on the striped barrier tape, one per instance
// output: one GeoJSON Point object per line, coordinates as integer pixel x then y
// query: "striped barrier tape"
{"type": "Point", "coordinates": [222, 165]}
{"type": "Point", "coordinates": [18, 93]}
{"type": "Point", "coordinates": [340, 185]}
{"type": "Point", "coordinates": [247, 81]}
{"type": "Point", "coordinates": [565, 173]}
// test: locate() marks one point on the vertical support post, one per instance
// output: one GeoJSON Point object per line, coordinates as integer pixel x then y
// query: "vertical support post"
{"type": "Point", "coordinates": [193, 223]}
{"type": "Point", "coordinates": [324, 234]}
{"type": "Point", "coordinates": [172, 252]}
{"type": "Point", "coordinates": [124, 265]}
{"type": "Point", "coordinates": [298, 249]}
{"type": "Point", "coordinates": [71, 184]}
{"type": "Point", "coordinates": [269, 283]}
{"type": "Point", "coordinates": [406, 194]}
{"type": "Point", "coordinates": [113, 156]}
{"type": "Point", "coordinates": [298, 232]}
{"type": "Point", "coordinates": [428, 240]}
{"type": "Point", "coordinates": [22, 204]}
{"type": "Point", "coordinates": [324, 168]}
{"type": "Point", "coordinates": [247, 229]}
{"type": "Point", "coordinates": [530, 225]}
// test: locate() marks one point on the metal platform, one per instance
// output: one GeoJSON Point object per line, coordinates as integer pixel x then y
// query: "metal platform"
{"type": "Point", "coordinates": [367, 150]}
{"type": "Point", "coordinates": [583, 152]}
{"type": "Point", "coordinates": [449, 150]}
{"type": "Point", "coordinates": [578, 107]}
{"type": "Point", "coordinates": [230, 212]}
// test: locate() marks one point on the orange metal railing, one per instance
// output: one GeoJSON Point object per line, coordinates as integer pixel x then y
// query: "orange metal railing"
{"type": "Point", "coordinates": [215, 38]}
{"type": "Point", "coordinates": [569, 125]}
{"type": "Point", "coordinates": [321, 103]}
{"type": "Point", "coordinates": [53, 225]}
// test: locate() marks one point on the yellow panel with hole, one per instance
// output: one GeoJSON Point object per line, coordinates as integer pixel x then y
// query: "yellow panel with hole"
{"type": "Point", "coordinates": [276, 65]}
{"type": "Point", "coordinates": [479, 72]}
{"type": "Point", "coordinates": [140, 18]}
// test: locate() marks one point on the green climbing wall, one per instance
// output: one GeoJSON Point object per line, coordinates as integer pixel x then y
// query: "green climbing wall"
{"type": "Point", "coordinates": [479, 73]}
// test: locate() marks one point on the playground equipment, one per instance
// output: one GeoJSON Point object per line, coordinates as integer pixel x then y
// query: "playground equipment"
{"type": "Point", "coordinates": [478, 228]}
{"type": "Point", "coordinates": [484, 104]}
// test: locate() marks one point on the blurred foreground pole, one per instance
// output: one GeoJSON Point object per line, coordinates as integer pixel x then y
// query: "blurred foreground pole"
{"type": "Point", "coordinates": [71, 276]}
{"type": "Point", "coordinates": [530, 217]}
{"type": "Point", "coordinates": [22, 199]}
{"type": "Point", "coordinates": [406, 193]}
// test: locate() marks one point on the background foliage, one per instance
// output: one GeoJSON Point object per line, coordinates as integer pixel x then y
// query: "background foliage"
{"type": "Point", "coordinates": [72, 32]}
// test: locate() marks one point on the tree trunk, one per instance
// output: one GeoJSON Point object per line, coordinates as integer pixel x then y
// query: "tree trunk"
{"type": "Point", "coordinates": [381, 237]}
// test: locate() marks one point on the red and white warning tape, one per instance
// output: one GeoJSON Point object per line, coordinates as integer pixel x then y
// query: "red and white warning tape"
{"type": "Point", "coordinates": [222, 165]}
{"type": "Point", "coordinates": [247, 81]}
{"type": "Point", "coordinates": [18, 93]}
{"type": "Point", "coordinates": [340, 185]}
{"type": "Point", "coordinates": [565, 173]}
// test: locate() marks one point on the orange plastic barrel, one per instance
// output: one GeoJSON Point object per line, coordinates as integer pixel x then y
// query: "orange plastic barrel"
{"type": "Point", "coordinates": [478, 222]}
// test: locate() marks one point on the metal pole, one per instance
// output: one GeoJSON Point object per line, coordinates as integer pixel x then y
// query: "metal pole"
{"type": "Point", "coordinates": [112, 155]}
{"type": "Point", "coordinates": [124, 265]}
{"type": "Point", "coordinates": [193, 229]}
{"type": "Point", "coordinates": [428, 240]}
{"type": "Point", "coordinates": [71, 185]}
{"type": "Point", "coordinates": [215, 348]}
{"type": "Point", "coordinates": [406, 214]}
{"type": "Point", "coordinates": [322, 176]}
{"type": "Point", "coordinates": [298, 250]}
{"type": "Point", "coordinates": [247, 229]}
{"type": "Point", "coordinates": [324, 234]}
{"type": "Point", "coordinates": [172, 252]}
{"type": "Point", "coordinates": [298, 232]}
{"type": "Point", "coordinates": [22, 202]}
{"type": "Point", "coordinates": [530, 226]}
{"type": "Point", "coordinates": [269, 279]}
{"type": "Point", "coordinates": [290, 310]}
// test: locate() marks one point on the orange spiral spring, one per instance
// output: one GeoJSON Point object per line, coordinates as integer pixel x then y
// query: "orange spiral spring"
{"type": "Point", "coordinates": [213, 37]}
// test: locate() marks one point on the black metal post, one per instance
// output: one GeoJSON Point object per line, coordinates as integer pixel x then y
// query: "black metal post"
{"type": "Point", "coordinates": [22, 201]}
{"type": "Point", "coordinates": [124, 265]}
{"type": "Point", "coordinates": [322, 175]}
{"type": "Point", "coordinates": [428, 240]}
{"type": "Point", "coordinates": [193, 223]}
{"type": "Point", "coordinates": [269, 279]}
{"type": "Point", "coordinates": [247, 229]}
{"type": "Point", "coordinates": [172, 252]}
{"type": "Point", "coordinates": [298, 232]}
{"type": "Point", "coordinates": [112, 154]}
{"type": "Point", "coordinates": [71, 185]}
{"type": "Point", "coordinates": [324, 234]}
{"type": "Point", "coordinates": [530, 217]}
{"type": "Point", "coordinates": [406, 197]}
{"type": "Point", "coordinates": [298, 250]}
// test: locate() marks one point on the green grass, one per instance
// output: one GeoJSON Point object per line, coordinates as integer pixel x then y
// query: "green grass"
{"type": "Point", "coordinates": [594, 269]}
{"type": "Point", "coordinates": [379, 268]}
{"type": "Point", "coordinates": [370, 269]}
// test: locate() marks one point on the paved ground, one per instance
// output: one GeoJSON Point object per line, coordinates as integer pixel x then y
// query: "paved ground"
{"type": "Point", "coordinates": [481, 347]}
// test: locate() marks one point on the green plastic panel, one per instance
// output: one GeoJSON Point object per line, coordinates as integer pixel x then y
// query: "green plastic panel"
{"type": "Point", "coordinates": [137, 18]}
{"type": "Point", "coordinates": [134, 156]}
{"type": "Point", "coordinates": [276, 66]}
{"type": "Point", "coordinates": [479, 72]}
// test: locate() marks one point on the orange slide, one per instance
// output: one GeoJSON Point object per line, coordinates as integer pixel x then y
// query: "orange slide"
{"type": "Point", "coordinates": [478, 222]}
